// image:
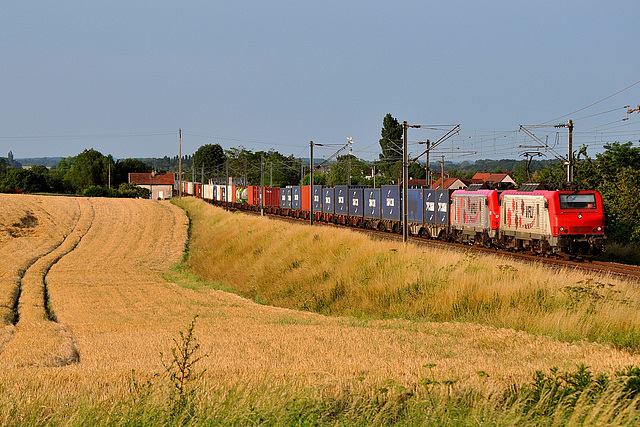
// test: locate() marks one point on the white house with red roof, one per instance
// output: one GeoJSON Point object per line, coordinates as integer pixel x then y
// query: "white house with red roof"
{"type": "Point", "coordinates": [161, 185]}
{"type": "Point", "coordinates": [494, 177]}
{"type": "Point", "coordinates": [449, 184]}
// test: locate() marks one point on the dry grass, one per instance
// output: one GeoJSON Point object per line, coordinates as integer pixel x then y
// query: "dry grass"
{"type": "Point", "coordinates": [333, 271]}
{"type": "Point", "coordinates": [110, 296]}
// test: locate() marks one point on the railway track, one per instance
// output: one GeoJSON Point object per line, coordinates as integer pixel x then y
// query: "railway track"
{"type": "Point", "coordinates": [615, 269]}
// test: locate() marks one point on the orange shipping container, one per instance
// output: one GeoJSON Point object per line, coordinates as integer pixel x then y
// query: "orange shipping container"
{"type": "Point", "coordinates": [306, 197]}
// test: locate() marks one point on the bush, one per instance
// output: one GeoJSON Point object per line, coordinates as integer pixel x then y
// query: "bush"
{"type": "Point", "coordinates": [133, 191]}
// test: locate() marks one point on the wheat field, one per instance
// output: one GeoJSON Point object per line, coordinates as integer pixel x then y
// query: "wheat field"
{"type": "Point", "coordinates": [89, 299]}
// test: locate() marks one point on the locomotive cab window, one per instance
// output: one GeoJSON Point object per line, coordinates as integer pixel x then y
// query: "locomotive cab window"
{"type": "Point", "coordinates": [577, 201]}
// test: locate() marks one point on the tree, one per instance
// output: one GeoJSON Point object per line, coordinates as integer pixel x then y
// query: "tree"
{"type": "Point", "coordinates": [3, 166]}
{"type": "Point", "coordinates": [391, 145]}
{"type": "Point", "coordinates": [133, 191]}
{"type": "Point", "coordinates": [340, 169]}
{"type": "Point", "coordinates": [318, 179]}
{"type": "Point", "coordinates": [89, 168]}
{"type": "Point", "coordinates": [391, 141]}
{"type": "Point", "coordinates": [24, 180]}
{"type": "Point", "coordinates": [614, 173]}
{"type": "Point", "coordinates": [123, 168]}
{"type": "Point", "coordinates": [209, 156]}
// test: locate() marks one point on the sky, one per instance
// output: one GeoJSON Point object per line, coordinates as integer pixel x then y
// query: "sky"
{"type": "Point", "coordinates": [123, 77]}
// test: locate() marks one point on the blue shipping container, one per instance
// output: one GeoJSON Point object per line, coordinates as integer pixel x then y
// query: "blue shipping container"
{"type": "Point", "coordinates": [341, 200]}
{"type": "Point", "coordinates": [296, 198]}
{"type": "Point", "coordinates": [355, 202]}
{"type": "Point", "coordinates": [371, 200]}
{"type": "Point", "coordinates": [328, 202]}
{"type": "Point", "coordinates": [391, 203]}
{"type": "Point", "coordinates": [429, 206]}
{"type": "Point", "coordinates": [285, 197]}
{"type": "Point", "coordinates": [443, 203]}
{"type": "Point", "coordinates": [317, 198]}
{"type": "Point", "coordinates": [416, 205]}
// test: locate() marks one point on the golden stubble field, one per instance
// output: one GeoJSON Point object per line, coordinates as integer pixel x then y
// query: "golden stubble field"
{"type": "Point", "coordinates": [112, 308]}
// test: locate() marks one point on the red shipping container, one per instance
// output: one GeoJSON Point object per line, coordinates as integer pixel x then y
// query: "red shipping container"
{"type": "Point", "coordinates": [253, 195]}
{"type": "Point", "coordinates": [272, 196]}
{"type": "Point", "coordinates": [305, 191]}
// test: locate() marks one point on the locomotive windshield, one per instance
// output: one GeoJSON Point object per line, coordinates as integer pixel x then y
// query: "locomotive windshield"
{"type": "Point", "coordinates": [578, 201]}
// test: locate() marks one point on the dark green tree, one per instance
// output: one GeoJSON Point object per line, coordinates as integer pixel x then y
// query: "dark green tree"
{"type": "Point", "coordinates": [340, 169]}
{"type": "Point", "coordinates": [133, 191]}
{"type": "Point", "coordinates": [244, 163]}
{"type": "Point", "coordinates": [25, 181]}
{"type": "Point", "coordinates": [391, 141]}
{"type": "Point", "coordinates": [318, 179]}
{"type": "Point", "coordinates": [210, 157]}
{"type": "Point", "coordinates": [122, 169]}
{"type": "Point", "coordinates": [615, 173]}
{"type": "Point", "coordinates": [89, 168]}
{"type": "Point", "coordinates": [391, 146]}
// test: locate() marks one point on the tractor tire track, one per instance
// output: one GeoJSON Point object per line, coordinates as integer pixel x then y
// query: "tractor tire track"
{"type": "Point", "coordinates": [11, 283]}
{"type": "Point", "coordinates": [36, 326]}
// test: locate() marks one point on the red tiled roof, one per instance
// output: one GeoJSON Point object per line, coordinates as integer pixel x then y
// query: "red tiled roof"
{"type": "Point", "coordinates": [482, 176]}
{"type": "Point", "coordinates": [491, 177]}
{"type": "Point", "coordinates": [149, 179]}
{"type": "Point", "coordinates": [472, 181]}
{"type": "Point", "coordinates": [448, 182]}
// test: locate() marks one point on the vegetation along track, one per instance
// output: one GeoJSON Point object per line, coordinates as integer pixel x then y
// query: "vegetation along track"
{"type": "Point", "coordinates": [615, 269]}
{"type": "Point", "coordinates": [34, 319]}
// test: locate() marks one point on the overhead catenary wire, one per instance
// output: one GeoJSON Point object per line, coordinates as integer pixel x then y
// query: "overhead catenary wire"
{"type": "Point", "coordinates": [592, 104]}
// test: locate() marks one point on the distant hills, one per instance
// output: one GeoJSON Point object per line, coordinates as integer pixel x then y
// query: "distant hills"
{"type": "Point", "coordinates": [44, 161]}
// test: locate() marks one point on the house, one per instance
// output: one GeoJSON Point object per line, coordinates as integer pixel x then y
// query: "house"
{"type": "Point", "coordinates": [449, 184]}
{"type": "Point", "coordinates": [494, 177]}
{"type": "Point", "coordinates": [161, 185]}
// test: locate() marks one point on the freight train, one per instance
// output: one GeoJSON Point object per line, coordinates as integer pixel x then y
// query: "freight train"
{"type": "Point", "coordinates": [533, 219]}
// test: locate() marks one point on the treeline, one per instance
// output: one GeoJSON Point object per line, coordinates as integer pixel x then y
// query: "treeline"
{"type": "Point", "coordinates": [89, 173]}
{"type": "Point", "coordinates": [615, 173]}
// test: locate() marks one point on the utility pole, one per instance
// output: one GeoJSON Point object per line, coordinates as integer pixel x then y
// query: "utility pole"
{"type": "Point", "coordinates": [570, 156]}
{"type": "Point", "coordinates": [350, 154]}
{"type": "Point", "coordinates": [180, 163]}
{"type": "Point", "coordinates": [270, 174]}
{"type": "Point", "coordinates": [405, 183]}
{"type": "Point", "coordinates": [428, 177]}
{"type": "Point", "coordinates": [374, 176]}
{"type": "Point", "coordinates": [442, 174]}
{"type": "Point", "coordinates": [405, 180]}
{"type": "Point", "coordinates": [202, 173]}
{"type": "Point", "coordinates": [261, 184]}
{"type": "Point", "coordinates": [311, 200]}
{"type": "Point", "coordinates": [569, 162]}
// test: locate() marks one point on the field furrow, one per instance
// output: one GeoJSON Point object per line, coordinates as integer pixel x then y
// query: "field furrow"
{"type": "Point", "coordinates": [36, 329]}
{"type": "Point", "coordinates": [29, 229]}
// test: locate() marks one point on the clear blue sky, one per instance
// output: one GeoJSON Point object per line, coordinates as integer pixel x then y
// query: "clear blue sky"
{"type": "Point", "coordinates": [123, 76]}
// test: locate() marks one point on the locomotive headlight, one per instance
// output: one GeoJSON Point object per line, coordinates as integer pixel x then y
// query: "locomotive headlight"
{"type": "Point", "coordinates": [599, 228]}
{"type": "Point", "coordinates": [561, 229]}
{"type": "Point", "coordinates": [579, 216]}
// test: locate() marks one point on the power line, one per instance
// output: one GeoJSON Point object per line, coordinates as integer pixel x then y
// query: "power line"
{"type": "Point", "coordinates": [87, 136]}
{"type": "Point", "coordinates": [591, 105]}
